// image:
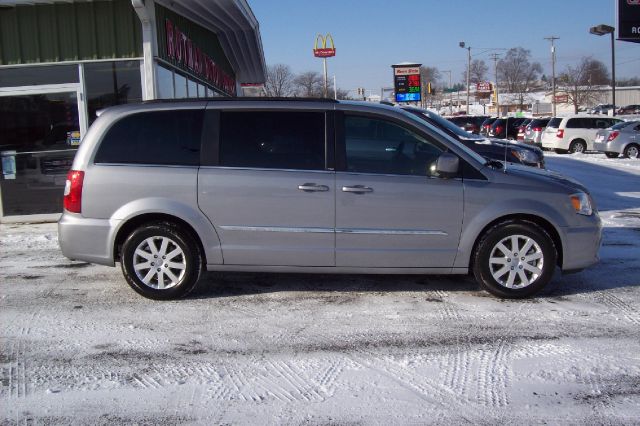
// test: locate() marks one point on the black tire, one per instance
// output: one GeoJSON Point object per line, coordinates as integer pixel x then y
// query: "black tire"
{"type": "Point", "coordinates": [560, 151]}
{"type": "Point", "coordinates": [190, 260]}
{"type": "Point", "coordinates": [628, 151]}
{"type": "Point", "coordinates": [578, 146]}
{"type": "Point", "coordinates": [611, 154]}
{"type": "Point", "coordinates": [488, 243]}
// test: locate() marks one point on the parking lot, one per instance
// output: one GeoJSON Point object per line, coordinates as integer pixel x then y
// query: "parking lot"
{"type": "Point", "coordinates": [79, 346]}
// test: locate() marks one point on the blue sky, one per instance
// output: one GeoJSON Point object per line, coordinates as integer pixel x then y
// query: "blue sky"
{"type": "Point", "coordinates": [370, 35]}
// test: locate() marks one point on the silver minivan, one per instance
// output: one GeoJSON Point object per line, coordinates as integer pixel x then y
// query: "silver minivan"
{"type": "Point", "coordinates": [173, 188]}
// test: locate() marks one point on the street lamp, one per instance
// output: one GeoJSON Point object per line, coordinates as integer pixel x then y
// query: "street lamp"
{"type": "Point", "coordinates": [462, 45]}
{"type": "Point", "coordinates": [602, 30]}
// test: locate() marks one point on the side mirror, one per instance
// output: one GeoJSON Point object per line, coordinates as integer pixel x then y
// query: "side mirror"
{"type": "Point", "coordinates": [447, 165]}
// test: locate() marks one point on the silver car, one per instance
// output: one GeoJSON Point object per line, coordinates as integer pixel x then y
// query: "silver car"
{"type": "Point", "coordinates": [171, 189]}
{"type": "Point", "coordinates": [533, 131]}
{"type": "Point", "coordinates": [620, 138]}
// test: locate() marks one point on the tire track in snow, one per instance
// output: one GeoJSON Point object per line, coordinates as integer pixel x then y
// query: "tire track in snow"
{"type": "Point", "coordinates": [628, 311]}
{"type": "Point", "coordinates": [428, 390]}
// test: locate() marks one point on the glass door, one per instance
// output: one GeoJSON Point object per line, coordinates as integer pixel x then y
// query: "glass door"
{"type": "Point", "coordinates": [40, 131]}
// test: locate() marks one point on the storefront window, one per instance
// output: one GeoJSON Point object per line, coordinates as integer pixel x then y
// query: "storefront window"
{"type": "Point", "coordinates": [34, 75]}
{"type": "Point", "coordinates": [180, 86]}
{"type": "Point", "coordinates": [165, 83]}
{"type": "Point", "coordinates": [193, 89]}
{"type": "Point", "coordinates": [111, 83]}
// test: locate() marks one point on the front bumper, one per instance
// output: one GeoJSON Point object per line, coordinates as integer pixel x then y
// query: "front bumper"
{"type": "Point", "coordinates": [89, 240]}
{"type": "Point", "coordinates": [582, 243]}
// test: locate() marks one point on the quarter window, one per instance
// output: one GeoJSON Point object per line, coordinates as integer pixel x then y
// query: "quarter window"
{"type": "Point", "coordinates": [272, 139]}
{"type": "Point", "coordinates": [158, 137]}
{"type": "Point", "coordinates": [379, 146]}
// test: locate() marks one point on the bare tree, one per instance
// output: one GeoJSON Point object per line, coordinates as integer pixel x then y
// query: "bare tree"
{"type": "Point", "coordinates": [309, 84]}
{"type": "Point", "coordinates": [478, 73]}
{"type": "Point", "coordinates": [580, 81]}
{"type": "Point", "coordinates": [279, 80]}
{"type": "Point", "coordinates": [518, 74]}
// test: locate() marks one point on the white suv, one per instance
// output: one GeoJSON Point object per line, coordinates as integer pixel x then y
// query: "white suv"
{"type": "Point", "coordinates": [574, 133]}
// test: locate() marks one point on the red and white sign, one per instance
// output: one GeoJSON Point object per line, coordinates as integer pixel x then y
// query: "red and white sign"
{"type": "Point", "coordinates": [323, 51]}
{"type": "Point", "coordinates": [184, 52]}
{"type": "Point", "coordinates": [406, 71]}
{"type": "Point", "coordinates": [562, 99]}
{"type": "Point", "coordinates": [483, 87]}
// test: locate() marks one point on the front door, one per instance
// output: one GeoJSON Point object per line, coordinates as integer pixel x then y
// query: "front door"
{"type": "Point", "coordinates": [391, 211]}
{"type": "Point", "coordinates": [271, 197]}
{"type": "Point", "coordinates": [39, 136]}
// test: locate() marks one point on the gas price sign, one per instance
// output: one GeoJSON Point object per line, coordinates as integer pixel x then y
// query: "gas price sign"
{"type": "Point", "coordinates": [406, 81]}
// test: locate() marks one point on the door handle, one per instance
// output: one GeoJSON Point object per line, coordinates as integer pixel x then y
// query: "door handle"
{"type": "Point", "coordinates": [357, 189]}
{"type": "Point", "coordinates": [312, 187]}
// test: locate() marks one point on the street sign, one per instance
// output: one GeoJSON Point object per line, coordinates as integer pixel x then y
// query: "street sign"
{"type": "Point", "coordinates": [406, 81]}
{"type": "Point", "coordinates": [562, 99]}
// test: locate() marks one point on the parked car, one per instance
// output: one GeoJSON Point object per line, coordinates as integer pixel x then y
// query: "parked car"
{"type": "Point", "coordinates": [601, 109]}
{"type": "Point", "coordinates": [533, 132]}
{"type": "Point", "coordinates": [171, 188]}
{"type": "Point", "coordinates": [470, 123]}
{"type": "Point", "coordinates": [486, 125]}
{"type": "Point", "coordinates": [620, 138]}
{"type": "Point", "coordinates": [522, 128]}
{"type": "Point", "coordinates": [574, 133]}
{"type": "Point", "coordinates": [491, 149]}
{"type": "Point", "coordinates": [505, 128]}
{"type": "Point", "coordinates": [629, 109]}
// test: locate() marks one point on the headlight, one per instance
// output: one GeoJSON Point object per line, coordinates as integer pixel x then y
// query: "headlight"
{"type": "Point", "coordinates": [581, 203]}
{"type": "Point", "coordinates": [526, 156]}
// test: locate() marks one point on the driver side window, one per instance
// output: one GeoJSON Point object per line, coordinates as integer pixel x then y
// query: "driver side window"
{"type": "Point", "coordinates": [378, 146]}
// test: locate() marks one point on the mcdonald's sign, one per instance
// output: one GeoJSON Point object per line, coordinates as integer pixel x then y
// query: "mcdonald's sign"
{"type": "Point", "coordinates": [323, 51]}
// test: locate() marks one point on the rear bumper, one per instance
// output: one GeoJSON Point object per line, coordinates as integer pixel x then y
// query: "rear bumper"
{"type": "Point", "coordinates": [89, 240]}
{"type": "Point", "coordinates": [581, 244]}
{"type": "Point", "coordinates": [613, 146]}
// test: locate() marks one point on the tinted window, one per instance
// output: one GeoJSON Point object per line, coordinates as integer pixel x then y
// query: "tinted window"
{"type": "Point", "coordinates": [159, 137]}
{"type": "Point", "coordinates": [379, 146]}
{"type": "Point", "coordinates": [578, 123]}
{"type": "Point", "coordinates": [272, 139]}
{"type": "Point", "coordinates": [555, 122]}
{"type": "Point", "coordinates": [539, 122]}
{"type": "Point", "coordinates": [602, 123]}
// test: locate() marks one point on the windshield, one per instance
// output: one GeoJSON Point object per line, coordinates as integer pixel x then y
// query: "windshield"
{"type": "Point", "coordinates": [417, 115]}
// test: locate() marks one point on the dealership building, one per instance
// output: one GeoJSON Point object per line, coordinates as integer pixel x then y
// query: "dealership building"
{"type": "Point", "coordinates": [63, 61]}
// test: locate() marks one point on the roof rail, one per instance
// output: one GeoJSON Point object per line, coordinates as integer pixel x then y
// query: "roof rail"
{"type": "Point", "coordinates": [243, 99]}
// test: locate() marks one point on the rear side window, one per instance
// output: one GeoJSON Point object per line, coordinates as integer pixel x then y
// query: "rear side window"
{"type": "Point", "coordinates": [540, 122]}
{"type": "Point", "coordinates": [555, 122]}
{"type": "Point", "coordinates": [272, 139]}
{"type": "Point", "coordinates": [157, 137]}
{"type": "Point", "coordinates": [578, 123]}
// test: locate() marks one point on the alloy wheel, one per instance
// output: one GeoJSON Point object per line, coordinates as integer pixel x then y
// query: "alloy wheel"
{"type": "Point", "coordinates": [516, 261]}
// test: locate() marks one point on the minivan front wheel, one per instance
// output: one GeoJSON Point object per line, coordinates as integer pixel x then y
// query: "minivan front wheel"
{"type": "Point", "coordinates": [514, 259]}
{"type": "Point", "coordinates": [161, 261]}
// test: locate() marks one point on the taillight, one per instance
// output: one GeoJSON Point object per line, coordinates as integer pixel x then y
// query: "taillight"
{"type": "Point", "coordinates": [613, 135]}
{"type": "Point", "coordinates": [498, 130]}
{"type": "Point", "coordinates": [537, 129]}
{"type": "Point", "coordinates": [560, 133]}
{"type": "Point", "coordinates": [73, 191]}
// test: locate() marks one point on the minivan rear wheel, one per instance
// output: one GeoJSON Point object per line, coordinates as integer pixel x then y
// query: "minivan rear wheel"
{"type": "Point", "coordinates": [514, 259]}
{"type": "Point", "coordinates": [578, 146]}
{"type": "Point", "coordinates": [161, 261]}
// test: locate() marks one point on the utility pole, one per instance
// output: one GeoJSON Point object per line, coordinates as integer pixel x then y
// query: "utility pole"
{"type": "Point", "coordinates": [468, 75]}
{"type": "Point", "coordinates": [495, 57]}
{"type": "Point", "coordinates": [450, 91]}
{"type": "Point", "coordinates": [553, 71]}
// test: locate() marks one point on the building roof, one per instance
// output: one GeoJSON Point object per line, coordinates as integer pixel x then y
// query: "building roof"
{"type": "Point", "coordinates": [232, 21]}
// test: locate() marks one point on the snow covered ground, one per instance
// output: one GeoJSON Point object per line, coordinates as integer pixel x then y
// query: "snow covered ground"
{"type": "Point", "coordinates": [78, 346]}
